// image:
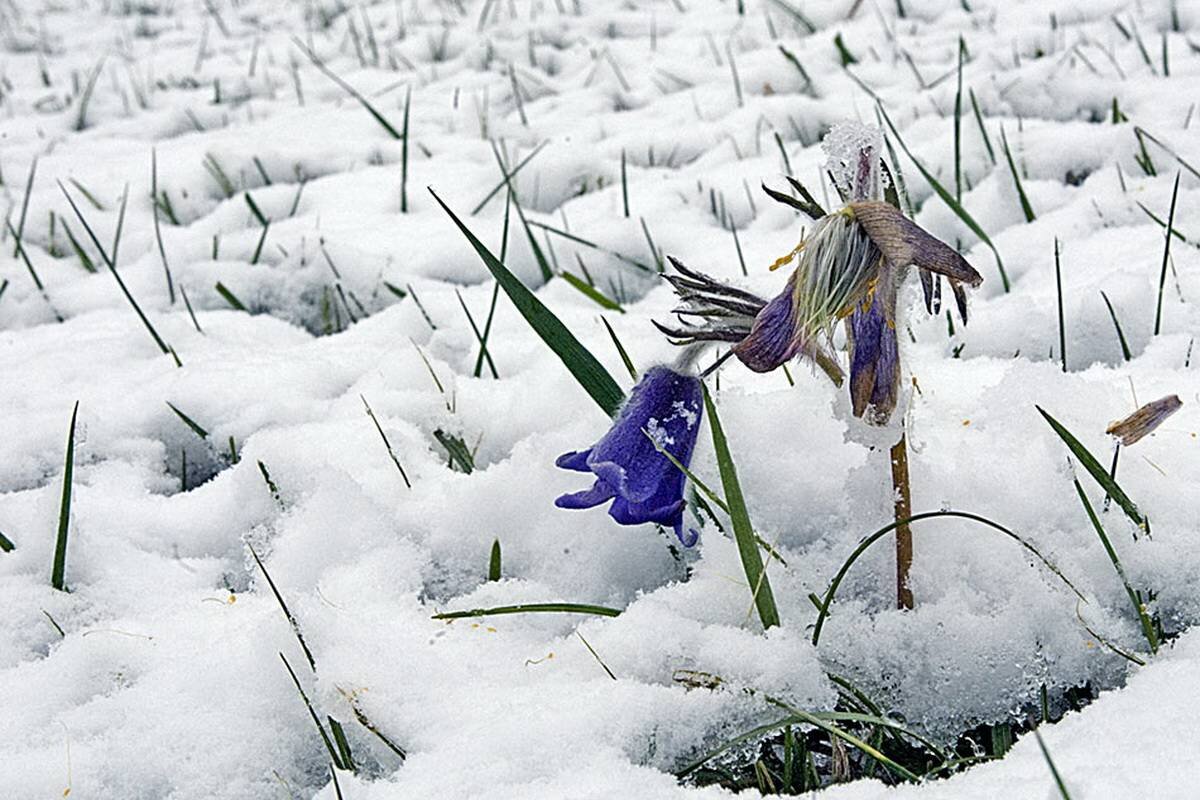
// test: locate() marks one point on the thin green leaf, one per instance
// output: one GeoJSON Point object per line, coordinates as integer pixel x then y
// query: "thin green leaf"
{"type": "Point", "coordinates": [191, 423]}
{"type": "Point", "coordinates": [494, 561]}
{"type": "Point", "coordinates": [590, 374]}
{"type": "Point", "coordinates": [1139, 609]}
{"type": "Point", "coordinates": [743, 530]}
{"type": "Point", "coordinates": [886, 529]}
{"type": "Point", "coordinates": [1098, 472]}
{"type": "Point", "coordinates": [58, 575]}
{"type": "Point", "coordinates": [532, 608]}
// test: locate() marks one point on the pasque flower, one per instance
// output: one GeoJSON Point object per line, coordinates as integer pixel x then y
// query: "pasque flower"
{"type": "Point", "coordinates": [850, 267]}
{"type": "Point", "coordinates": [663, 409]}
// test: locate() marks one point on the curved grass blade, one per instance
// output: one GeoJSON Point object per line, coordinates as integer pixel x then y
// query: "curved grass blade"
{"type": "Point", "coordinates": [1101, 475]}
{"type": "Point", "coordinates": [886, 529]}
{"type": "Point", "coordinates": [57, 576]}
{"type": "Point", "coordinates": [1058, 781]}
{"type": "Point", "coordinates": [743, 530]}
{"type": "Point", "coordinates": [590, 374]}
{"type": "Point", "coordinates": [532, 608]}
{"type": "Point", "coordinates": [1116, 324]}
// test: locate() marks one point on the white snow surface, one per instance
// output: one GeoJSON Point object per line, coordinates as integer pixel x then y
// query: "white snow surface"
{"type": "Point", "coordinates": [158, 674]}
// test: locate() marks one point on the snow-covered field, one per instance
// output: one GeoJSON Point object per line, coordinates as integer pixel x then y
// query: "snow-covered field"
{"type": "Point", "coordinates": [305, 271]}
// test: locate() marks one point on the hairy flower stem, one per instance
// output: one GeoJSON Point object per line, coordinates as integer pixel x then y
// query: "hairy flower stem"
{"type": "Point", "coordinates": [902, 497]}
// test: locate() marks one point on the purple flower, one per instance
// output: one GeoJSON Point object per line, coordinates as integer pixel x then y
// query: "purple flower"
{"type": "Point", "coordinates": [642, 483]}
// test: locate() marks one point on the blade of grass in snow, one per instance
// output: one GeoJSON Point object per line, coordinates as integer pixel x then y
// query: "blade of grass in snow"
{"type": "Point", "coordinates": [1138, 607]}
{"type": "Point", "coordinates": [886, 529]}
{"type": "Point", "coordinates": [620, 349]}
{"type": "Point", "coordinates": [6, 544]}
{"type": "Point", "coordinates": [1058, 781]}
{"type": "Point", "coordinates": [20, 231]}
{"type": "Point", "coordinates": [404, 153]}
{"type": "Point", "coordinates": [535, 248]}
{"type": "Point", "coordinates": [588, 243]}
{"type": "Point", "coordinates": [420, 307]}
{"type": "Point", "coordinates": [162, 253]}
{"type": "Point", "coordinates": [1101, 476]}
{"type": "Point", "coordinates": [958, 124]}
{"type": "Point", "coordinates": [1120, 334]}
{"type": "Point", "coordinates": [386, 443]}
{"type": "Point", "coordinates": [987, 140]}
{"type": "Point", "coordinates": [532, 608]}
{"type": "Point", "coordinates": [494, 561]}
{"type": "Point", "coordinates": [1143, 133]}
{"type": "Point", "coordinates": [948, 199]}
{"type": "Point", "coordinates": [1062, 325]}
{"type": "Point", "coordinates": [191, 423]}
{"type": "Point", "coordinates": [590, 374]}
{"type": "Point", "coordinates": [261, 240]}
{"type": "Point", "coordinates": [591, 292]}
{"type": "Point", "coordinates": [363, 101]}
{"type": "Point", "coordinates": [743, 530]}
{"type": "Point", "coordinates": [478, 335]}
{"type": "Point", "coordinates": [37, 281]}
{"type": "Point", "coordinates": [458, 451]}
{"type": "Point", "coordinates": [333, 752]}
{"type": "Point", "coordinates": [1162, 278]}
{"type": "Point", "coordinates": [624, 185]}
{"type": "Point", "coordinates": [713, 496]}
{"type": "Point", "coordinates": [508, 176]}
{"type": "Point", "coordinates": [229, 297]}
{"type": "Point", "coordinates": [113, 269]}
{"type": "Point", "coordinates": [654, 251]}
{"type": "Point", "coordinates": [286, 611]}
{"type": "Point", "coordinates": [1026, 209]}
{"type": "Point", "coordinates": [58, 574]}
{"type": "Point", "coordinates": [84, 259]}
{"type": "Point", "coordinates": [271, 486]}
{"type": "Point", "coordinates": [188, 304]}
{"type": "Point", "coordinates": [487, 332]}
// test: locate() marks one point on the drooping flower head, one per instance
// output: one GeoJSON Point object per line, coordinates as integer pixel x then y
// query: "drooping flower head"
{"type": "Point", "coordinates": [663, 409]}
{"type": "Point", "coordinates": [849, 268]}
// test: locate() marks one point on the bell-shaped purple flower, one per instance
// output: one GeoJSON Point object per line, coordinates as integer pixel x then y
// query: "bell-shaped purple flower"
{"type": "Point", "coordinates": [642, 482]}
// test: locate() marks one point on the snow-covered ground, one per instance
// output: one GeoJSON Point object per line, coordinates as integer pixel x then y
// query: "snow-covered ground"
{"type": "Point", "coordinates": [158, 674]}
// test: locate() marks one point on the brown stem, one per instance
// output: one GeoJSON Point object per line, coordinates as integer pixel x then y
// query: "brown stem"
{"type": "Point", "coordinates": [903, 510]}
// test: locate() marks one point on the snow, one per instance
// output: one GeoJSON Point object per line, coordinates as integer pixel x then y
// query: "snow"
{"type": "Point", "coordinates": [166, 678]}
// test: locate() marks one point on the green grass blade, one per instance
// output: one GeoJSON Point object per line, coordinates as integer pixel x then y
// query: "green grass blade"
{"type": "Point", "coordinates": [312, 712]}
{"type": "Point", "coordinates": [948, 199]}
{"type": "Point", "coordinates": [1139, 609]}
{"type": "Point", "coordinates": [350, 90]}
{"type": "Point", "coordinates": [404, 154]}
{"type": "Point", "coordinates": [494, 562]}
{"type": "Point", "coordinates": [1162, 278]}
{"type": "Point", "coordinates": [1058, 781]}
{"type": "Point", "coordinates": [229, 297]}
{"type": "Point", "coordinates": [987, 140]}
{"type": "Point", "coordinates": [1116, 324]}
{"type": "Point", "coordinates": [58, 575]}
{"type": "Point", "coordinates": [592, 293]}
{"type": "Point", "coordinates": [286, 611]}
{"type": "Point", "coordinates": [743, 530]}
{"type": "Point", "coordinates": [590, 374]}
{"type": "Point", "coordinates": [191, 423]}
{"type": "Point", "coordinates": [886, 529]}
{"type": "Point", "coordinates": [1098, 472]}
{"type": "Point", "coordinates": [387, 444]}
{"type": "Point", "coordinates": [1026, 209]}
{"type": "Point", "coordinates": [6, 544]}
{"type": "Point", "coordinates": [620, 350]}
{"type": "Point", "coordinates": [533, 608]}
{"type": "Point", "coordinates": [112, 268]}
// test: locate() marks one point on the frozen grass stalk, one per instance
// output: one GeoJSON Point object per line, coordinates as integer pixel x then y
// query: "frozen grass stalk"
{"type": "Point", "coordinates": [58, 575]}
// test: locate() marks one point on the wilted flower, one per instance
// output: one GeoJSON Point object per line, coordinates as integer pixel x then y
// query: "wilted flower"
{"type": "Point", "coordinates": [851, 268]}
{"type": "Point", "coordinates": [663, 409]}
{"type": "Point", "coordinates": [1142, 422]}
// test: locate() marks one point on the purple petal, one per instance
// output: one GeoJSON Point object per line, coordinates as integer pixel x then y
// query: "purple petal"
{"type": "Point", "coordinates": [576, 460]}
{"type": "Point", "coordinates": [588, 498]}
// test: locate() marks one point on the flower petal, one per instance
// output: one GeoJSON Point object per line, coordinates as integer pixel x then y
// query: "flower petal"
{"type": "Point", "coordinates": [905, 243]}
{"type": "Point", "coordinates": [575, 460]}
{"type": "Point", "coordinates": [588, 498]}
